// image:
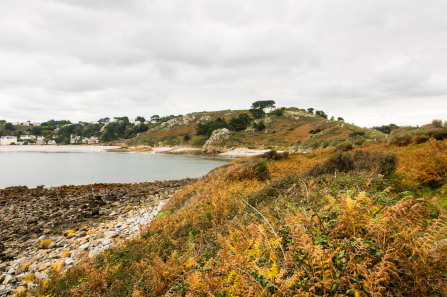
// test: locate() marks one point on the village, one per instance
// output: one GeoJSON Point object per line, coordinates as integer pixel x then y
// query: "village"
{"type": "Point", "coordinates": [40, 140]}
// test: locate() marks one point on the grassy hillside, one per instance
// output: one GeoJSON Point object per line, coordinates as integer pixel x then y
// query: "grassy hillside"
{"type": "Point", "coordinates": [294, 129]}
{"type": "Point", "coordinates": [368, 222]}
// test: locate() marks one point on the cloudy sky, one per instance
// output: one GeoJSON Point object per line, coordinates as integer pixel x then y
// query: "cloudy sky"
{"type": "Point", "coordinates": [371, 62]}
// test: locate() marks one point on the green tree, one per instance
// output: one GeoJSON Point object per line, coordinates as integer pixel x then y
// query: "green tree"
{"type": "Point", "coordinates": [9, 126]}
{"type": "Point", "coordinates": [155, 118]}
{"type": "Point", "coordinates": [311, 110]}
{"type": "Point", "coordinates": [140, 119]}
{"type": "Point", "coordinates": [263, 104]}
{"type": "Point", "coordinates": [208, 128]}
{"type": "Point", "coordinates": [239, 123]}
{"type": "Point", "coordinates": [257, 113]}
{"type": "Point", "coordinates": [259, 126]}
{"type": "Point", "coordinates": [321, 114]}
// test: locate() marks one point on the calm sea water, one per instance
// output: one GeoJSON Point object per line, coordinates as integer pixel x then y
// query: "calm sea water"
{"type": "Point", "coordinates": [77, 168]}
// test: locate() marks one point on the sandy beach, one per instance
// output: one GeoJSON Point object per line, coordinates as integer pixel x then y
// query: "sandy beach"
{"type": "Point", "coordinates": [55, 148]}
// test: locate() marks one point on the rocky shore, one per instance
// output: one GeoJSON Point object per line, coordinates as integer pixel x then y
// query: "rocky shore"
{"type": "Point", "coordinates": [48, 228]}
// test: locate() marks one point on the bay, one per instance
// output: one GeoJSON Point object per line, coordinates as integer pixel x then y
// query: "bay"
{"type": "Point", "coordinates": [34, 168]}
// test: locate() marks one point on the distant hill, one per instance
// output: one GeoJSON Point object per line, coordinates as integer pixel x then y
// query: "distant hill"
{"type": "Point", "coordinates": [287, 128]}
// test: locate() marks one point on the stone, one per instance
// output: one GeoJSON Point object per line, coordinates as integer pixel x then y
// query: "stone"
{"type": "Point", "coordinates": [84, 246]}
{"type": "Point", "coordinates": [99, 234]}
{"type": "Point", "coordinates": [7, 279]}
{"type": "Point", "coordinates": [41, 275]}
{"type": "Point", "coordinates": [52, 245]}
{"type": "Point", "coordinates": [91, 232]}
{"type": "Point", "coordinates": [5, 291]}
{"type": "Point", "coordinates": [23, 267]}
{"type": "Point", "coordinates": [42, 266]}
{"type": "Point", "coordinates": [129, 207]}
{"type": "Point", "coordinates": [70, 233]}
{"type": "Point", "coordinates": [65, 254]}
{"type": "Point", "coordinates": [44, 244]}
{"type": "Point", "coordinates": [68, 261]}
{"type": "Point", "coordinates": [20, 290]}
{"type": "Point", "coordinates": [32, 267]}
{"type": "Point", "coordinates": [58, 265]}
{"type": "Point", "coordinates": [96, 242]}
{"type": "Point", "coordinates": [29, 277]}
{"type": "Point", "coordinates": [110, 234]}
{"type": "Point", "coordinates": [43, 237]}
{"type": "Point", "coordinates": [2, 278]}
{"type": "Point", "coordinates": [93, 253]}
{"type": "Point", "coordinates": [61, 243]}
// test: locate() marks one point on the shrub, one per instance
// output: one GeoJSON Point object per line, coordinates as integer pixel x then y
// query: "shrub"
{"type": "Point", "coordinates": [344, 147]}
{"type": "Point", "coordinates": [252, 170]}
{"type": "Point", "coordinates": [198, 140]}
{"type": "Point", "coordinates": [186, 137]}
{"type": "Point", "coordinates": [239, 123]}
{"type": "Point", "coordinates": [274, 155]}
{"type": "Point", "coordinates": [278, 112]}
{"type": "Point", "coordinates": [426, 164]}
{"type": "Point", "coordinates": [259, 126]}
{"type": "Point", "coordinates": [358, 161]}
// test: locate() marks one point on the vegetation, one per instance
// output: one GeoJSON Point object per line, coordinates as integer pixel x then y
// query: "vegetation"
{"type": "Point", "coordinates": [367, 221]}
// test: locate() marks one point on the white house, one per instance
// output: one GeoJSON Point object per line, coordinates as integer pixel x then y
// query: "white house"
{"type": "Point", "coordinates": [7, 140]}
{"type": "Point", "coordinates": [27, 137]}
{"type": "Point", "coordinates": [51, 142]}
{"type": "Point", "coordinates": [93, 140]}
{"type": "Point", "coordinates": [40, 140]}
{"type": "Point", "coordinates": [268, 109]}
{"type": "Point", "coordinates": [75, 139]}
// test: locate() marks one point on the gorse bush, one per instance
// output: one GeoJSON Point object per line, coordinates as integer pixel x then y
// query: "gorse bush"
{"type": "Point", "coordinates": [252, 170]}
{"type": "Point", "coordinates": [358, 161]}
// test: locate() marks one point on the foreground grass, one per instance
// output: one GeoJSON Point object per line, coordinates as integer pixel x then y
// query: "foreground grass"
{"type": "Point", "coordinates": [276, 228]}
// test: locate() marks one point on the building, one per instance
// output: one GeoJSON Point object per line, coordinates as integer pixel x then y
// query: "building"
{"type": "Point", "coordinates": [51, 142]}
{"type": "Point", "coordinates": [75, 139]}
{"type": "Point", "coordinates": [27, 137]}
{"type": "Point", "coordinates": [40, 140]}
{"type": "Point", "coordinates": [8, 140]}
{"type": "Point", "coordinates": [93, 140]}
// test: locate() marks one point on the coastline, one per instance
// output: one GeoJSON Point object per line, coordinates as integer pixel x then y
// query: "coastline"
{"type": "Point", "coordinates": [56, 148]}
{"type": "Point", "coordinates": [66, 223]}
{"type": "Point", "coordinates": [232, 153]}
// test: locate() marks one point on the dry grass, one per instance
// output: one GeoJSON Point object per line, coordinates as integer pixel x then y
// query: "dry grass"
{"type": "Point", "coordinates": [349, 234]}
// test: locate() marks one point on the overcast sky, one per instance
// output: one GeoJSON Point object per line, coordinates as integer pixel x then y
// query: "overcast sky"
{"type": "Point", "coordinates": [371, 62]}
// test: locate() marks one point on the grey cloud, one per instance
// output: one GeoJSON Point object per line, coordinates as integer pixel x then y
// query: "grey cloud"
{"type": "Point", "coordinates": [89, 59]}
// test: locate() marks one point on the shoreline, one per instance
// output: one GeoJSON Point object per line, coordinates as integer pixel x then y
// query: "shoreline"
{"type": "Point", "coordinates": [232, 153]}
{"type": "Point", "coordinates": [56, 148]}
{"type": "Point", "coordinates": [63, 224]}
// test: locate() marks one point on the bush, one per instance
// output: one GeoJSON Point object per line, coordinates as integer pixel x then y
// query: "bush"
{"type": "Point", "coordinates": [252, 170]}
{"type": "Point", "coordinates": [344, 147]}
{"type": "Point", "coordinates": [186, 137]}
{"type": "Point", "coordinates": [259, 126]}
{"type": "Point", "coordinates": [426, 164]}
{"type": "Point", "coordinates": [278, 112]}
{"type": "Point", "coordinates": [358, 161]}
{"type": "Point", "coordinates": [198, 140]}
{"type": "Point", "coordinates": [239, 123]}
